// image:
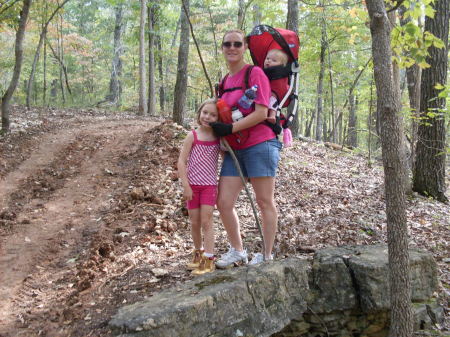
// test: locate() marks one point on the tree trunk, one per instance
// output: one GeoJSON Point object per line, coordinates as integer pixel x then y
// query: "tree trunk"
{"type": "Point", "coordinates": [334, 134]}
{"type": "Point", "coordinates": [319, 108]}
{"type": "Point", "coordinates": [216, 48]}
{"type": "Point", "coordinates": [413, 78]}
{"type": "Point", "coordinates": [151, 60]}
{"type": "Point", "coordinates": [397, 91]}
{"type": "Point", "coordinates": [115, 85]}
{"type": "Point", "coordinates": [63, 67]}
{"type": "Point", "coordinates": [142, 77]}
{"type": "Point", "coordinates": [397, 231]}
{"type": "Point", "coordinates": [429, 168]}
{"type": "Point", "coordinates": [181, 81]}
{"type": "Point", "coordinates": [257, 14]}
{"type": "Point", "coordinates": [6, 99]}
{"type": "Point", "coordinates": [38, 52]}
{"type": "Point", "coordinates": [292, 24]}
{"type": "Point", "coordinates": [352, 121]}
{"type": "Point", "coordinates": [44, 89]}
{"type": "Point", "coordinates": [162, 91]}
{"type": "Point", "coordinates": [61, 58]}
{"type": "Point", "coordinates": [241, 14]}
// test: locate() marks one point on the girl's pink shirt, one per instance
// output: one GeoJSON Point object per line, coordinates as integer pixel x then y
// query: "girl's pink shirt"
{"type": "Point", "coordinates": [260, 132]}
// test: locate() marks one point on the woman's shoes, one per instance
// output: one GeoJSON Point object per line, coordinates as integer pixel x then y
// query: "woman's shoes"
{"type": "Point", "coordinates": [258, 258]}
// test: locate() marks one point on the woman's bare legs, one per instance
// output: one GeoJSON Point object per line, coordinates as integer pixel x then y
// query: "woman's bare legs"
{"type": "Point", "coordinates": [229, 188]}
{"type": "Point", "coordinates": [264, 188]}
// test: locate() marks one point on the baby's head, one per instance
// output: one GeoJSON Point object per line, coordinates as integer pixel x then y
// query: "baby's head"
{"type": "Point", "coordinates": [275, 57]}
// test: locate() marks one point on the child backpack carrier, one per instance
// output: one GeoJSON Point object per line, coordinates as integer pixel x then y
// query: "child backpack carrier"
{"type": "Point", "coordinates": [283, 79]}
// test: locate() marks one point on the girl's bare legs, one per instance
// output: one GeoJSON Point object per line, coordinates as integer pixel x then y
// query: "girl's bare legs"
{"type": "Point", "coordinates": [229, 188]}
{"type": "Point", "coordinates": [206, 219]}
{"type": "Point", "coordinates": [196, 227]}
{"type": "Point", "coordinates": [264, 188]}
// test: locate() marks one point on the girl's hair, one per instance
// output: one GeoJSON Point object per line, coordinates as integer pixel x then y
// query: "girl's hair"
{"type": "Point", "coordinates": [238, 31]}
{"type": "Point", "coordinates": [208, 101]}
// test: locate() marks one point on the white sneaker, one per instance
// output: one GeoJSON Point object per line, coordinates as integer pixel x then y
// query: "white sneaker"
{"type": "Point", "coordinates": [231, 258]}
{"type": "Point", "coordinates": [258, 258]}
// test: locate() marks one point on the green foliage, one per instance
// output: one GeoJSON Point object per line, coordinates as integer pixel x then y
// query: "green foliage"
{"type": "Point", "coordinates": [410, 43]}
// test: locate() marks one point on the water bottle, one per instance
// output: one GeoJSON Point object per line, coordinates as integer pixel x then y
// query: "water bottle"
{"type": "Point", "coordinates": [236, 114]}
{"type": "Point", "coordinates": [249, 96]}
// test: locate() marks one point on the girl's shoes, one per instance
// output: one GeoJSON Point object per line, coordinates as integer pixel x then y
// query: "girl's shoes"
{"type": "Point", "coordinates": [206, 265]}
{"type": "Point", "coordinates": [194, 264]}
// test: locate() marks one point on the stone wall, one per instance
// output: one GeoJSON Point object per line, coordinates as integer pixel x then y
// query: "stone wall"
{"type": "Point", "coordinates": [342, 292]}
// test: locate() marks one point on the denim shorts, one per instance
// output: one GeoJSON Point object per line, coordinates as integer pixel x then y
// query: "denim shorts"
{"type": "Point", "coordinates": [260, 160]}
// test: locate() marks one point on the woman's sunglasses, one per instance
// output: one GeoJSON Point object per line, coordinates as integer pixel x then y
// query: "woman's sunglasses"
{"type": "Point", "coordinates": [235, 44]}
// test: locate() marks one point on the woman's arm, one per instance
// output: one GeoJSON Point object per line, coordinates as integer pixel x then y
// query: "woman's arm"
{"type": "Point", "coordinates": [182, 165]}
{"type": "Point", "coordinates": [256, 117]}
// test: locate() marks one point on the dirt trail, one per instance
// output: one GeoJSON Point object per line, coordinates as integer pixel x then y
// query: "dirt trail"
{"type": "Point", "coordinates": [55, 213]}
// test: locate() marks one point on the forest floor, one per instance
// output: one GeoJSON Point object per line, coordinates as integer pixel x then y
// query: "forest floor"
{"type": "Point", "coordinates": [91, 216]}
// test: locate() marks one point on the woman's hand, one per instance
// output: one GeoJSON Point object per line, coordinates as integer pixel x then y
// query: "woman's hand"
{"type": "Point", "coordinates": [221, 129]}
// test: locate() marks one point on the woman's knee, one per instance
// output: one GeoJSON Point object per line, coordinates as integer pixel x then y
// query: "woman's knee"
{"type": "Point", "coordinates": [225, 205]}
{"type": "Point", "coordinates": [265, 202]}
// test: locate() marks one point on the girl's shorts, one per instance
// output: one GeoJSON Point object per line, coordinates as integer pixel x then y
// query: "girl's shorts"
{"type": "Point", "coordinates": [260, 160]}
{"type": "Point", "coordinates": [202, 195]}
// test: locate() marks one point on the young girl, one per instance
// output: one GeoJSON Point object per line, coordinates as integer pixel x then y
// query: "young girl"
{"type": "Point", "coordinates": [197, 169]}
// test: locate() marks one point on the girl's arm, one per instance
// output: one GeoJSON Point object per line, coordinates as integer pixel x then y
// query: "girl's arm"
{"type": "Point", "coordinates": [182, 165]}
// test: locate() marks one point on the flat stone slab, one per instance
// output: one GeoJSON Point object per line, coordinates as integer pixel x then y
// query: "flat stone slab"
{"type": "Point", "coordinates": [247, 301]}
{"type": "Point", "coordinates": [261, 300]}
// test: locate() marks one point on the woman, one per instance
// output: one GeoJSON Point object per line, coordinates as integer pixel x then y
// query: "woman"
{"type": "Point", "coordinates": [258, 154]}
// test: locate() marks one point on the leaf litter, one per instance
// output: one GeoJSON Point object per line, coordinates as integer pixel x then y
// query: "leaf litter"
{"type": "Point", "coordinates": [324, 197]}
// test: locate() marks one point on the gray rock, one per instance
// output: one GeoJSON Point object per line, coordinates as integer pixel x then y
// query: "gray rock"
{"type": "Point", "coordinates": [250, 301]}
{"type": "Point", "coordinates": [345, 288]}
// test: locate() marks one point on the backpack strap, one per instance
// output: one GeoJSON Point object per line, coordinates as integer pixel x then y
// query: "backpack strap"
{"type": "Point", "coordinates": [219, 87]}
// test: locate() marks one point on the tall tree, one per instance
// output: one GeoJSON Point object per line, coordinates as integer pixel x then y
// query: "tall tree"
{"type": "Point", "coordinates": [352, 139]}
{"type": "Point", "coordinates": [162, 92]}
{"type": "Point", "coordinates": [429, 168]}
{"type": "Point", "coordinates": [183, 54]}
{"type": "Point", "coordinates": [151, 59]}
{"type": "Point", "coordinates": [42, 36]}
{"type": "Point", "coordinates": [257, 14]}
{"type": "Point", "coordinates": [413, 78]}
{"type": "Point", "coordinates": [397, 231]}
{"type": "Point", "coordinates": [18, 52]}
{"type": "Point", "coordinates": [241, 14]}
{"type": "Point", "coordinates": [115, 84]}
{"type": "Point", "coordinates": [319, 106]}
{"type": "Point", "coordinates": [142, 77]}
{"type": "Point", "coordinates": [292, 24]}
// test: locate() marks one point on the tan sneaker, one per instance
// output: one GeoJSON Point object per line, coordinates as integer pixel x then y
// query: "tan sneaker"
{"type": "Point", "coordinates": [207, 265]}
{"type": "Point", "coordinates": [198, 253]}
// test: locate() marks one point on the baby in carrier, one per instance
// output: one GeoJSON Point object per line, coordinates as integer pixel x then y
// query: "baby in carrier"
{"type": "Point", "coordinates": [275, 57]}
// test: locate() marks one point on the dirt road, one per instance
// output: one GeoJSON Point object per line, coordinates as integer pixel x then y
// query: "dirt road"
{"type": "Point", "coordinates": [53, 198]}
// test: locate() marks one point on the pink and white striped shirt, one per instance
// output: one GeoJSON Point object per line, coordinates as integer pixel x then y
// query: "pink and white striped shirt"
{"type": "Point", "coordinates": [203, 162]}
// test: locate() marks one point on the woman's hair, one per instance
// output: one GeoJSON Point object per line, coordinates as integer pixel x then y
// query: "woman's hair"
{"type": "Point", "coordinates": [208, 101]}
{"type": "Point", "coordinates": [238, 31]}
